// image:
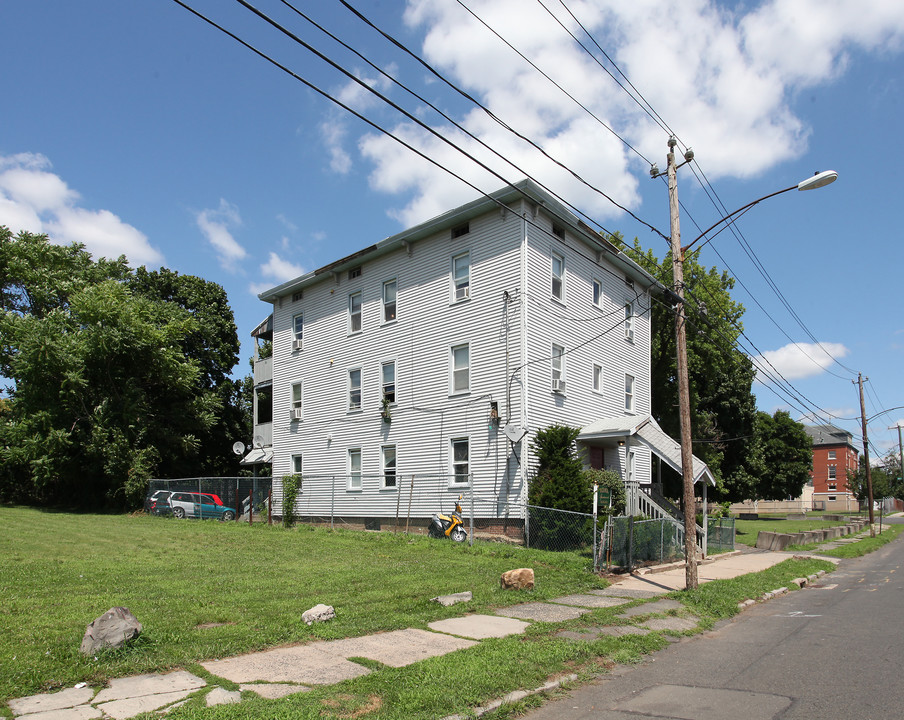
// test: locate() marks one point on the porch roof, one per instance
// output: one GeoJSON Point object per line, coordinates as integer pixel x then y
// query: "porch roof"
{"type": "Point", "coordinates": [257, 456]}
{"type": "Point", "coordinates": [648, 432]}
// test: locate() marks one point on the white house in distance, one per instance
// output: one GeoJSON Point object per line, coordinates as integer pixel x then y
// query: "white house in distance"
{"type": "Point", "coordinates": [422, 366]}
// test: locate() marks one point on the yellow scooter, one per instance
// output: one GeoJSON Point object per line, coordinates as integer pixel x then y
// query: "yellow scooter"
{"type": "Point", "coordinates": [448, 526]}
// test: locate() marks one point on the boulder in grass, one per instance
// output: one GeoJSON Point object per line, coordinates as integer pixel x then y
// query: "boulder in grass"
{"type": "Point", "coordinates": [520, 579]}
{"type": "Point", "coordinates": [113, 629]}
{"type": "Point", "coordinates": [318, 613]}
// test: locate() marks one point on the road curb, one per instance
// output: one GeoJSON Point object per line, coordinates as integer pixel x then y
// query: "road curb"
{"type": "Point", "coordinates": [797, 582]}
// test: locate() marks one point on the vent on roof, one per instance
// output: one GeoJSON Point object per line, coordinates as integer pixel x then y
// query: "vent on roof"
{"type": "Point", "coordinates": [354, 273]}
{"type": "Point", "coordinates": [297, 296]}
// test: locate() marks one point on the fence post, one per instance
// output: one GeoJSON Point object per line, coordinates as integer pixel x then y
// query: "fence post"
{"type": "Point", "coordinates": [270, 505]}
{"type": "Point", "coordinates": [471, 533]}
{"type": "Point", "coordinates": [526, 525]}
{"type": "Point", "coordinates": [332, 499]}
{"type": "Point", "coordinates": [630, 543]}
{"type": "Point", "coordinates": [251, 506]}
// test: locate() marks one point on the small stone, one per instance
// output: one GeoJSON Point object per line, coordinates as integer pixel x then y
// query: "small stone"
{"type": "Point", "coordinates": [113, 629]}
{"type": "Point", "coordinates": [520, 579]}
{"type": "Point", "coordinates": [448, 600]}
{"type": "Point", "coordinates": [318, 613]}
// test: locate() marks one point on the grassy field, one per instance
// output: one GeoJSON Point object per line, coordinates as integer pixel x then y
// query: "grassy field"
{"type": "Point", "coordinates": [59, 571]}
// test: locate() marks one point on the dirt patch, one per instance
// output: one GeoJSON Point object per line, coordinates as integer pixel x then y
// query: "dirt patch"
{"type": "Point", "coordinates": [352, 706]}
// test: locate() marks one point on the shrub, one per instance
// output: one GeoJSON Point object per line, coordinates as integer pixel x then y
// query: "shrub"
{"type": "Point", "coordinates": [291, 485]}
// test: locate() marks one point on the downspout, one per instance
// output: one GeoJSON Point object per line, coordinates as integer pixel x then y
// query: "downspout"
{"type": "Point", "coordinates": [524, 372]}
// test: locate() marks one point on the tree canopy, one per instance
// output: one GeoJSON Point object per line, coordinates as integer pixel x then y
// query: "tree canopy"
{"type": "Point", "coordinates": [787, 453]}
{"type": "Point", "coordinates": [116, 376]}
{"type": "Point", "coordinates": [723, 408]}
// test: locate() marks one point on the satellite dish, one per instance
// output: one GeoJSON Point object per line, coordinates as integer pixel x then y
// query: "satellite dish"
{"type": "Point", "coordinates": [514, 432]}
{"type": "Point", "coordinates": [238, 447]}
{"type": "Point", "coordinates": [258, 441]}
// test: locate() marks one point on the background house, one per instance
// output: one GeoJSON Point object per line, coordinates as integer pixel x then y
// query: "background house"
{"type": "Point", "coordinates": [834, 455]}
{"type": "Point", "coordinates": [420, 367]}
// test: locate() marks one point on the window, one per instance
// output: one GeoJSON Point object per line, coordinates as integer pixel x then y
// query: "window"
{"type": "Point", "coordinates": [832, 473]}
{"type": "Point", "coordinates": [598, 293]}
{"type": "Point", "coordinates": [461, 368]}
{"type": "Point", "coordinates": [297, 296]}
{"type": "Point", "coordinates": [558, 231]}
{"type": "Point", "coordinates": [558, 364]}
{"type": "Point", "coordinates": [629, 393]}
{"type": "Point", "coordinates": [297, 331]}
{"type": "Point", "coordinates": [354, 312]}
{"type": "Point", "coordinates": [832, 498]}
{"type": "Point", "coordinates": [464, 229]}
{"type": "Point", "coordinates": [558, 277]}
{"type": "Point", "coordinates": [597, 378]}
{"type": "Point", "coordinates": [390, 287]}
{"type": "Point", "coordinates": [831, 454]}
{"type": "Point", "coordinates": [355, 272]}
{"type": "Point", "coordinates": [389, 466]}
{"type": "Point", "coordinates": [832, 487]}
{"type": "Point", "coordinates": [296, 464]}
{"type": "Point", "coordinates": [296, 401]}
{"type": "Point", "coordinates": [354, 389]}
{"type": "Point", "coordinates": [629, 321]}
{"type": "Point", "coordinates": [460, 467]}
{"type": "Point", "coordinates": [354, 468]}
{"type": "Point", "coordinates": [388, 381]}
{"type": "Point", "coordinates": [461, 276]}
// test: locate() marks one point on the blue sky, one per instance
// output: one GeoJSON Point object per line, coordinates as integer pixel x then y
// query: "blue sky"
{"type": "Point", "coordinates": [136, 128]}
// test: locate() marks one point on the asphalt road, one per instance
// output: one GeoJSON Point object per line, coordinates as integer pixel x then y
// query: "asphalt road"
{"type": "Point", "coordinates": [834, 650]}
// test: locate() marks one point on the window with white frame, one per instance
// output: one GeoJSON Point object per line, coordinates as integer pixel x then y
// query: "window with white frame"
{"type": "Point", "coordinates": [354, 468]}
{"type": "Point", "coordinates": [629, 393]}
{"type": "Point", "coordinates": [460, 358]}
{"type": "Point", "coordinates": [354, 312]}
{"type": "Point", "coordinates": [388, 379]}
{"type": "Point", "coordinates": [388, 460]}
{"type": "Point", "coordinates": [558, 366]}
{"type": "Point", "coordinates": [296, 464]}
{"type": "Point", "coordinates": [558, 277]}
{"type": "Point", "coordinates": [296, 408]}
{"type": "Point", "coordinates": [597, 378]}
{"type": "Point", "coordinates": [390, 288]}
{"type": "Point", "coordinates": [831, 455]}
{"type": "Point", "coordinates": [629, 321]}
{"type": "Point", "coordinates": [598, 293]}
{"type": "Point", "coordinates": [461, 277]}
{"type": "Point", "coordinates": [832, 473]}
{"type": "Point", "coordinates": [460, 461]}
{"type": "Point", "coordinates": [297, 331]}
{"type": "Point", "coordinates": [354, 389]}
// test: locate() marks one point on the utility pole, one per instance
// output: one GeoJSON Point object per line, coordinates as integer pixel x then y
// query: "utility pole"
{"type": "Point", "coordinates": [869, 475]}
{"type": "Point", "coordinates": [900, 450]}
{"type": "Point", "coordinates": [688, 502]}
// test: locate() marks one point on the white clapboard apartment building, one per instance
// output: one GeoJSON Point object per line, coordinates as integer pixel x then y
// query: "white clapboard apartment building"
{"type": "Point", "coordinates": [421, 367]}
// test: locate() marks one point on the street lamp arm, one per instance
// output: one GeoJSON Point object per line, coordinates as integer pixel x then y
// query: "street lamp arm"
{"type": "Point", "coordinates": [732, 214]}
{"type": "Point", "coordinates": [811, 183]}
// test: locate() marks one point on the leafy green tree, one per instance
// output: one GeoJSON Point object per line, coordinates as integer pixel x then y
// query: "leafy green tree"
{"type": "Point", "coordinates": [886, 480]}
{"type": "Point", "coordinates": [114, 376]}
{"type": "Point", "coordinates": [787, 456]}
{"type": "Point", "coordinates": [723, 408]}
{"type": "Point", "coordinates": [559, 481]}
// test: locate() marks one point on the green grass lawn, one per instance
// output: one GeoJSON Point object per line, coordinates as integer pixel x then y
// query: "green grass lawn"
{"type": "Point", "coordinates": [59, 571]}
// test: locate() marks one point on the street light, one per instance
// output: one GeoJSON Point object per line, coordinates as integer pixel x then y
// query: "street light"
{"type": "Point", "coordinates": [684, 402]}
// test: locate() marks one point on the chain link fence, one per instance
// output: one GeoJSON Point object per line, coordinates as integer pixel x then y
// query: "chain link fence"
{"type": "Point", "coordinates": [720, 534]}
{"type": "Point", "coordinates": [223, 498]}
{"type": "Point", "coordinates": [627, 542]}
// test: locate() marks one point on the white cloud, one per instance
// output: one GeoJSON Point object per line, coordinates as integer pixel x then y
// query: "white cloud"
{"type": "Point", "coordinates": [800, 360]}
{"type": "Point", "coordinates": [36, 200]}
{"type": "Point", "coordinates": [724, 80]}
{"type": "Point", "coordinates": [216, 225]}
{"type": "Point", "coordinates": [280, 269]}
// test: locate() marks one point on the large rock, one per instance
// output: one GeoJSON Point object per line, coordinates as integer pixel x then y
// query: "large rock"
{"type": "Point", "coordinates": [520, 579]}
{"type": "Point", "coordinates": [318, 613]}
{"type": "Point", "coordinates": [113, 629]}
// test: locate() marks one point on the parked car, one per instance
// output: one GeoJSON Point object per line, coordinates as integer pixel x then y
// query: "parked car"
{"type": "Point", "coordinates": [157, 503]}
{"type": "Point", "coordinates": [200, 505]}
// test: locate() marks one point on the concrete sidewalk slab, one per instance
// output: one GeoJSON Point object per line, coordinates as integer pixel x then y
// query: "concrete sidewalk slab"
{"type": "Point", "coordinates": [132, 706]}
{"type": "Point", "coordinates": [152, 684]}
{"type": "Point", "coordinates": [678, 624]}
{"type": "Point", "coordinates": [542, 612]}
{"type": "Point", "coordinates": [304, 664]}
{"type": "Point", "coordinates": [80, 712]}
{"type": "Point", "coordinates": [591, 601]}
{"type": "Point", "coordinates": [480, 627]}
{"type": "Point", "coordinates": [273, 691]}
{"type": "Point", "coordinates": [657, 606]}
{"type": "Point", "coordinates": [46, 702]}
{"type": "Point", "coordinates": [622, 591]}
{"type": "Point", "coordinates": [398, 648]}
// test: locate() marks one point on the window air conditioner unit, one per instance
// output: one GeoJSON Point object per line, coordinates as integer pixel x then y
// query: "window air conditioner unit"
{"type": "Point", "coordinates": [296, 345]}
{"type": "Point", "coordinates": [558, 386]}
{"type": "Point", "coordinates": [462, 293]}
{"type": "Point", "coordinates": [296, 414]}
